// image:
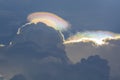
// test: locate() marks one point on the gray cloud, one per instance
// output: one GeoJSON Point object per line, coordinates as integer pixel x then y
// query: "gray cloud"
{"type": "Point", "coordinates": [85, 15]}
{"type": "Point", "coordinates": [38, 53]}
{"type": "Point", "coordinates": [109, 52]}
{"type": "Point", "coordinates": [38, 46]}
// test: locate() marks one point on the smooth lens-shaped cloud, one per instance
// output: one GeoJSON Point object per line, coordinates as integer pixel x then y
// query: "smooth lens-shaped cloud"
{"type": "Point", "coordinates": [49, 19]}
{"type": "Point", "coordinates": [97, 37]}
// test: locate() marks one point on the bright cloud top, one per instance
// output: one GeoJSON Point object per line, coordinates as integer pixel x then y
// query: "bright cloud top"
{"type": "Point", "coordinates": [97, 37]}
{"type": "Point", "coordinates": [49, 19]}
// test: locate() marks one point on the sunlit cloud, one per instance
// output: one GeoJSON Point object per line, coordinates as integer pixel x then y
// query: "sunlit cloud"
{"type": "Point", "coordinates": [97, 37]}
{"type": "Point", "coordinates": [50, 19]}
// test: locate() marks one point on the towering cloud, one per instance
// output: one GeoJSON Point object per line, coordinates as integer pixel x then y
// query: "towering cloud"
{"type": "Point", "coordinates": [36, 46]}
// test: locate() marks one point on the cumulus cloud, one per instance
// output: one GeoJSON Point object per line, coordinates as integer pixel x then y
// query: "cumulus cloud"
{"type": "Point", "coordinates": [29, 52]}
{"type": "Point", "coordinates": [35, 43]}
{"type": "Point", "coordinates": [109, 52]}
{"type": "Point", "coordinates": [38, 53]}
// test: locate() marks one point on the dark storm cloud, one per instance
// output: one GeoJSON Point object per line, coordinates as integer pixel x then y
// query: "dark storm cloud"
{"type": "Point", "coordinates": [37, 53]}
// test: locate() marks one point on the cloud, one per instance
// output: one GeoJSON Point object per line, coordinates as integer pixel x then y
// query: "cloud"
{"type": "Point", "coordinates": [49, 19]}
{"type": "Point", "coordinates": [109, 52]}
{"type": "Point", "coordinates": [90, 15]}
{"type": "Point", "coordinates": [38, 53]}
{"type": "Point", "coordinates": [37, 44]}
{"type": "Point", "coordinates": [99, 38]}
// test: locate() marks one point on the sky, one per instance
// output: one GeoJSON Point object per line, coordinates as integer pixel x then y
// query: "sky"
{"type": "Point", "coordinates": [38, 51]}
